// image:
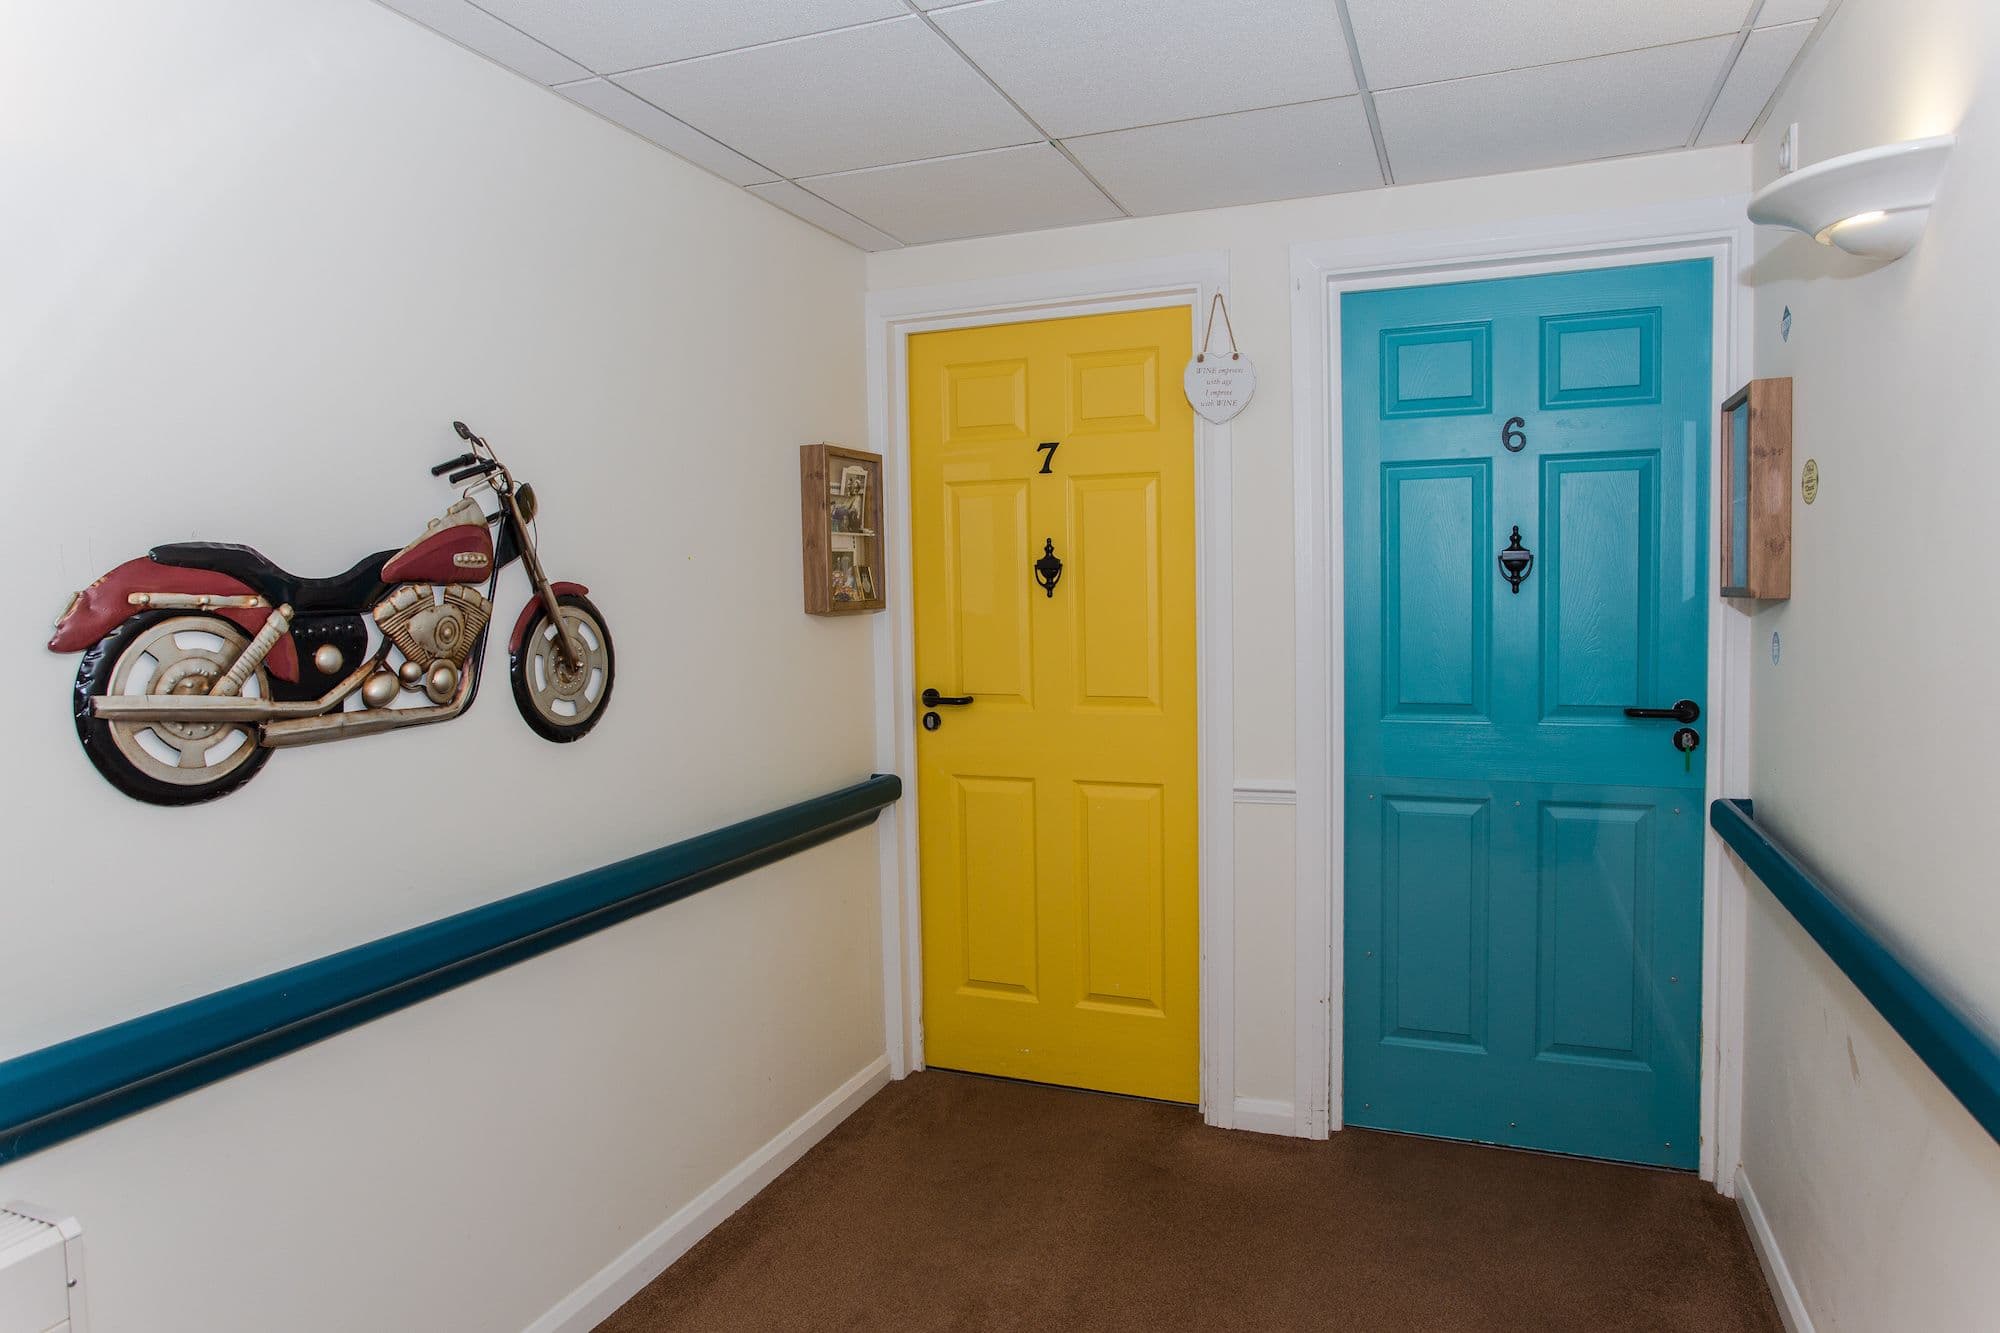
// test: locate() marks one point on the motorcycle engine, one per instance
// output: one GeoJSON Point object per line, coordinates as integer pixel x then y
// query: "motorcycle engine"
{"type": "Point", "coordinates": [430, 627]}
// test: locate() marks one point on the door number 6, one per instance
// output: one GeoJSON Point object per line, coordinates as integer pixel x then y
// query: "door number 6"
{"type": "Point", "coordinates": [1512, 437]}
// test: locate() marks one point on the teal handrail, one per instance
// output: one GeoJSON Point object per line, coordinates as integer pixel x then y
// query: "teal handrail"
{"type": "Point", "coordinates": [1963, 1055]}
{"type": "Point", "coordinates": [61, 1091]}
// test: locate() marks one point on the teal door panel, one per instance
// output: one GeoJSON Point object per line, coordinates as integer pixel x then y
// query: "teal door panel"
{"type": "Point", "coordinates": [1523, 871]}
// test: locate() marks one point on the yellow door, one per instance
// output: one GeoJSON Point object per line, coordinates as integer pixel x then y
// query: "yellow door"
{"type": "Point", "coordinates": [1058, 830]}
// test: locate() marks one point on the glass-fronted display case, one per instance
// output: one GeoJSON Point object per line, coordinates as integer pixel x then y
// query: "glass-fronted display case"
{"type": "Point", "coordinates": [841, 505]}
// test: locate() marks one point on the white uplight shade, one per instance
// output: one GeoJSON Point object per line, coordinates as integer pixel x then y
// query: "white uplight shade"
{"type": "Point", "coordinates": [1873, 203]}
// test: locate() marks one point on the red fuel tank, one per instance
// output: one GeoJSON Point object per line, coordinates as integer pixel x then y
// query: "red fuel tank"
{"type": "Point", "coordinates": [454, 551]}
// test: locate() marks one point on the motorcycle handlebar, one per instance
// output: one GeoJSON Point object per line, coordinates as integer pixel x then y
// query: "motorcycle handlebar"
{"type": "Point", "coordinates": [477, 469]}
{"type": "Point", "coordinates": [451, 463]}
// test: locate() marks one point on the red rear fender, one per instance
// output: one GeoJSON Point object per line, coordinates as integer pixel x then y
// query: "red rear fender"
{"type": "Point", "coordinates": [107, 604]}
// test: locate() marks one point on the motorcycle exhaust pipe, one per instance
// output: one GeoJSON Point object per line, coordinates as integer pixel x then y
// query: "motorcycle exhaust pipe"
{"type": "Point", "coordinates": [196, 709]}
{"type": "Point", "coordinates": [289, 732]}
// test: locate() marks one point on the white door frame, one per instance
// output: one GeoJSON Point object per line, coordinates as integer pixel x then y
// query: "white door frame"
{"type": "Point", "coordinates": [1716, 229]}
{"type": "Point", "coordinates": [892, 316]}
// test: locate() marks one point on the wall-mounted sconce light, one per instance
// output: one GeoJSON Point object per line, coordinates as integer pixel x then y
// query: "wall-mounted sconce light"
{"type": "Point", "coordinates": [1872, 203]}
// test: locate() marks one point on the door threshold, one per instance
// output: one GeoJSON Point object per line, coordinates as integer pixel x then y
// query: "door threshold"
{"type": "Point", "coordinates": [1062, 1087]}
{"type": "Point", "coordinates": [1530, 1152]}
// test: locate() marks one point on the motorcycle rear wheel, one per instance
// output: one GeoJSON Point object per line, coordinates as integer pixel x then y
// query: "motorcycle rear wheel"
{"type": "Point", "coordinates": [167, 763]}
{"type": "Point", "coordinates": [559, 702]}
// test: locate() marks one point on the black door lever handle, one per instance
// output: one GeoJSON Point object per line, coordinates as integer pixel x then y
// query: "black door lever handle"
{"type": "Point", "coordinates": [1686, 710]}
{"type": "Point", "coordinates": [932, 699]}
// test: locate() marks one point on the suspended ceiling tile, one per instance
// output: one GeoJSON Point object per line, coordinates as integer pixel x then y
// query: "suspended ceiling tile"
{"type": "Point", "coordinates": [1777, 12]}
{"type": "Point", "coordinates": [649, 122]}
{"type": "Point", "coordinates": [1081, 68]}
{"type": "Point", "coordinates": [805, 204]}
{"type": "Point", "coordinates": [1635, 102]}
{"type": "Point", "coordinates": [860, 97]}
{"type": "Point", "coordinates": [1404, 42]}
{"type": "Point", "coordinates": [471, 26]}
{"type": "Point", "coordinates": [978, 194]}
{"type": "Point", "coordinates": [1765, 57]}
{"type": "Point", "coordinates": [612, 35]}
{"type": "Point", "coordinates": [1242, 158]}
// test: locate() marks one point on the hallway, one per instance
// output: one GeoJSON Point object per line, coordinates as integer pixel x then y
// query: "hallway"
{"type": "Point", "coordinates": [956, 1202]}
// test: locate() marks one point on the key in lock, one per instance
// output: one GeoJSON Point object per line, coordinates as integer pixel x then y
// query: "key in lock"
{"type": "Point", "coordinates": [1687, 740]}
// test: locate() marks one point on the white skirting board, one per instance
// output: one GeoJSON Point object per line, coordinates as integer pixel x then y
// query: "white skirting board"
{"type": "Point", "coordinates": [1262, 1115]}
{"type": "Point", "coordinates": [621, 1279]}
{"type": "Point", "coordinates": [1791, 1306]}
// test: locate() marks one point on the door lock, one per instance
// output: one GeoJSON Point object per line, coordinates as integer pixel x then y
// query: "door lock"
{"type": "Point", "coordinates": [1685, 740]}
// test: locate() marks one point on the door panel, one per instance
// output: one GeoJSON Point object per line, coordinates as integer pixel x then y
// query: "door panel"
{"type": "Point", "coordinates": [1523, 878]}
{"type": "Point", "coordinates": [1058, 819]}
{"type": "Point", "coordinates": [1434, 898]}
{"type": "Point", "coordinates": [1599, 619]}
{"type": "Point", "coordinates": [987, 608]}
{"type": "Point", "coordinates": [1115, 562]}
{"type": "Point", "coordinates": [1595, 869]}
{"type": "Point", "coordinates": [996, 888]}
{"type": "Point", "coordinates": [1122, 882]}
{"type": "Point", "coordinates": [1437, 530]}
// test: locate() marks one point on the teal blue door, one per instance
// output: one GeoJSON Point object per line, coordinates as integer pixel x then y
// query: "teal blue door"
{"type": "Point", "coordinates": [1524, 859]}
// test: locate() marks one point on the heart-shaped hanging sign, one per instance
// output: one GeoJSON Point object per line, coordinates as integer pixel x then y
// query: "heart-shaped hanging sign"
{"type": "Point", "coordinates": [1218, 386]}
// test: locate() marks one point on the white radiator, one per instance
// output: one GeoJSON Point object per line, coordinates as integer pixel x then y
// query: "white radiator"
{"type": "Point", "coordinates": [41, 1272]}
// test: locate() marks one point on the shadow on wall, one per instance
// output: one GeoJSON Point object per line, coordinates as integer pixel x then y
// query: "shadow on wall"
{"type": "Point", "coordinates": [1800, 258]}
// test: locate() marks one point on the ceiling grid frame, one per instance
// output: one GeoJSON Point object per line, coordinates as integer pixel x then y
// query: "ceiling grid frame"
{"type": "Point", "coordinates": [572, 47]}
{"type": "Point", "coordinates": [1722, 75]}
{"type": "Point", "coordinates": [1367, 93]}
{"type": "Point", "coordinates": [1053, 142]}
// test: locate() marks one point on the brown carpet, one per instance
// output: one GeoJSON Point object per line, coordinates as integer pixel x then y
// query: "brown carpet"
{"type": "Point", "coordinates": [963, 1203]}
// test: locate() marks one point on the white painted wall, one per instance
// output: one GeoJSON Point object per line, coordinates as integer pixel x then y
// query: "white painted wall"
{"type": "Point", "coordinates": [1874, 737]}
{"type": "Point", "coordinates": [1258, 240]}
{"type": "Point", "coordinates": [256, 257]}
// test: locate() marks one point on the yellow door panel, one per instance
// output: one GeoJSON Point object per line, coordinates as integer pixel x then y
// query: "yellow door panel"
{"type": "Point", "coordinates": [988, 650]}
{"type": "Point", "coordinates": [1117, 389]}
{"type": "Point", "coordinates": [1058, 836]}
{"type": "Point", "coordinates": [1121, 883]}
{"type": "Point", "coordinates": [983, 401]}
{"type": "Point", "coordinates": [996, 888]}
{"type": "Point", "coordinates": [1115, 560]}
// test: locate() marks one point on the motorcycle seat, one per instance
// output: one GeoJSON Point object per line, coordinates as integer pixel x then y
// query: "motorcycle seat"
{"type": "Point", "coordinates": [350, 590]}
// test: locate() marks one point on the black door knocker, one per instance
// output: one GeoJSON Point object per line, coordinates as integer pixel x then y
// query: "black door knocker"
{"type": "Point", "coordinates": [1048, 569]}
{"type": "Point", "coordinates": [1516, 561]}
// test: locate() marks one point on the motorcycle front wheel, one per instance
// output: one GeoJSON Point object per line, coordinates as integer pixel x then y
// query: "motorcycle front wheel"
{"type": "Point", "coordinates": [559, 700]}
{"type": "Point", "coordinates": [168, 763]}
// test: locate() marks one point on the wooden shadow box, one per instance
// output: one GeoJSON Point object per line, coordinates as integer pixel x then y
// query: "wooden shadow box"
{"type": "Point", "coordinates": [840, 494]}
{"type": "Point", "coordinates": [1756, 512]}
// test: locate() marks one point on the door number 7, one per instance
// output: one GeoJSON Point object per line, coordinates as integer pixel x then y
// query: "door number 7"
{"type": "Point", "coordinates": [1048, 453]}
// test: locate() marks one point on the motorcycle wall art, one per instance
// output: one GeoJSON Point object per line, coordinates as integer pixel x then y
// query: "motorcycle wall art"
{"type": "Point", "coordinates": [201, 658]}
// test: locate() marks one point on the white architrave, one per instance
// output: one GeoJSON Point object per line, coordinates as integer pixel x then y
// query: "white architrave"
{"type": "Point", "coordinates": [1715, 229]}
{"type": "Point", "coordinates": [892, 316]}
